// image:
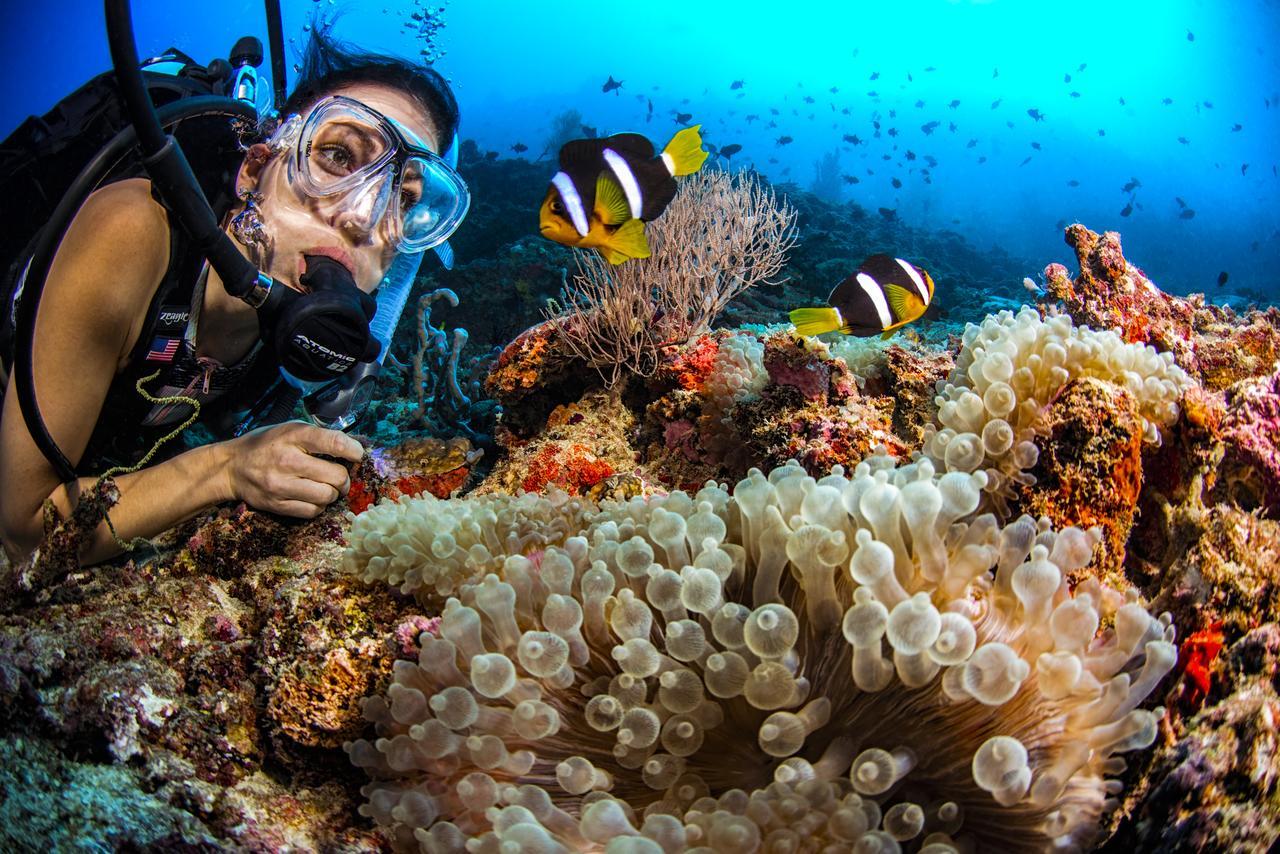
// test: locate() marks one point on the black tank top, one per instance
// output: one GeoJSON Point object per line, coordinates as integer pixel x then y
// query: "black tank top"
{"type": "Point", "coordinates": [128, 424]}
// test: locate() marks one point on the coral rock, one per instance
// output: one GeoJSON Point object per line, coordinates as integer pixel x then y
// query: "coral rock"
{"type": "Point", "coordinates": [1251, 429]}
{"type": "Point", "coordinates": [1089, 470]}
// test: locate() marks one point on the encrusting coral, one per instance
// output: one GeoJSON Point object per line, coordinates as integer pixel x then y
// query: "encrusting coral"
{"type": "Point", "coordinates": [710, 673]}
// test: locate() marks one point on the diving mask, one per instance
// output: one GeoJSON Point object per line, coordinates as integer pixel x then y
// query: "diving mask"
{"type": "Point", "coordinates": [381, 170]}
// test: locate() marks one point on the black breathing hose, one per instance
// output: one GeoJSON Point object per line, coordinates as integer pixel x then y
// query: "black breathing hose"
{"type": "Point", "coordinates": [275, 40]}
{"type": "Point", "coordinates": [166, 164]}
{"type": "Point", "coordinates": [50, 237]}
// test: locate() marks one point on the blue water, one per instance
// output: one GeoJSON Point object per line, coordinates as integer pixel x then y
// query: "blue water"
{"type": "Point", "coordinates": [516, 65]}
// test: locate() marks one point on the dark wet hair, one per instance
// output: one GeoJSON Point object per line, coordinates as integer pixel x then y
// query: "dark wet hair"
{"type": "Point", "coordinates": [329, 64]}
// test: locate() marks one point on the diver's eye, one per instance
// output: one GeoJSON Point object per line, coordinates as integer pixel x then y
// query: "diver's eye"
{"type": "Point", "coordinates": [408, 199]}
{"type": "Point", "coordinates": [337, 158]}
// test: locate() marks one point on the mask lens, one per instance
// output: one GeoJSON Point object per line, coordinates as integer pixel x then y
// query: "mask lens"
{"type": "Point", "coordinates": [433, 201]}
{"type": "Point", "coordinates": [342, 145]}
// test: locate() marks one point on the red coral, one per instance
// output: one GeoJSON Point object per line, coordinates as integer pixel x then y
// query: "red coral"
{"type": "Point", "coordinates": [695, 363]}
{"type": "Point", "coordinates": [574, 469]}
{"type": "Point", "coordinates": [359, 498]}
{"type": "Point", "coordinates": [1199, 651]}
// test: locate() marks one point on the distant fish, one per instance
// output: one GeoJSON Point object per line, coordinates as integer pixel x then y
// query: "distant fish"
{"type": "Point", "coordinates": [885, 294]}
{"type": "Point", "coordinates": [1127, 209]}
{"type": "Point", "coordinates": [1166, 101]}
{"type": "Point", "coordinates": [1132, 185]}
{"type": "Point", "coordinates": [1074, 94]}
{"type": "Point", "coordinates": [1187, 214]}
{"type": "Point", "coordinates": [971, 143]}
{"type": "Point", "coordinates": [1035, 114]}
{"type": "Point", "coordinates": [897, 185]}
{"type": "Point", "coordinates": [729, 150]}
{"type": "Point", "coordinates": [875, 75]}
{"type": "Point", "coordinates": [955, 102]}
{"type": "Point", "coordinates": [1036, 146]}
{"type": "Point", "coordinates": [1180, 202]}
{"type": "Point", "coordinates": [1208, 105]}
{"type": "Point", "coordinates": [995, 72]}
{"type": "Point", "coordinates": [1101, 132]}
{"type": "Point", "coordinates": [683, 118]}
{"type": "Point", "coordinates": [852, 138]}
{"type": "Point", "coordinates": [1237, 127]}
{"type": "Point", "coordinates": [888, 213]}
{"type": "Point", "coordinates": [773, 110]}
{"type": "Point", "coordinates": [951, 126]}
{"type": "Point", "coordinates": [1244, 167]}
{"type": "Point", "coordinates": [1073, 183]}
{"type": "Point", "coordinates": [834, 90]}
{"type": "Point", "coordinates": [1026, 161]}
{"type": "Point", "coordinates": [519, 148]}
{"type": "Point", "coordinates": [982, 159]}
{"type": "Point", "coordinates": [911, 155]}
{"type": "Point", "coordinates": [893, 131]}
{"type": "Point", "coordinates": [1191, 36]}
{"type": "Point", "coordinates": [850, 179]}
{"type": "Point", "coordinates": [607, 189]}
{"type": "Point", "coordinates": [1222, 278]}
{"type": "Point", "coordinates": [996, 102]}
{"type": "Point", "coordinates": [1082, 67]}
{"type": "Point", "coordinates": [737, 84]}
{"type": "Point", "coordinates": [1122, 100]}
{"type": "Point", "coordinates": [648, 117]}
{"type": "Point", "coordinates": [919, 103]}
{"type": "Point", "coordinates": [589, 131]}
{"type": "Point", "coordinates": [1184, 140]}
{"type": "Point", "coordinates": [929, 127]}
{"type": "Point", "coordinates": [611, 85]}
{"type": "Point", "coordinates": [784, 140]}
{"type": "Point", "coordinates": [1066, 78]}
{"type": "Point", "coordinates": [930, 68]}
{"type": "Point", "coordinates": [808, 99]}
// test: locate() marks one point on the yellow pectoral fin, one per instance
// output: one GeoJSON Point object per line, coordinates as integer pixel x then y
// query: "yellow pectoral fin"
{"type": "Point", "coordinates": [815, 321]}
{"type": "Point", "coordinates": [611, 201]}
{"type": "Point", "coordinates": [905, 305]}
{"type": "Point", "coordinates": [686, 151]}
{"type": "Point", "coordinates": [629, 241]}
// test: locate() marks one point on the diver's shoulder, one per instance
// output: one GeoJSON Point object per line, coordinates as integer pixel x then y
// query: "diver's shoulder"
{"type": "Point", "coordinates": [122, 225]}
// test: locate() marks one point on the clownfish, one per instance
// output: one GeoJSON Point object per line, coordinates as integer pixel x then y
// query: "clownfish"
{"type": "Point", "coordinates": [607, 189]}
{"type": "Point", "coordinates": [885, 294]}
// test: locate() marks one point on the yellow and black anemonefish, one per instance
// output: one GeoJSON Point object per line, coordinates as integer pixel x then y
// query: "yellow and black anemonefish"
{"type": "Point", "coordinates": [607, 189]}
{"type": "Point", "coordinates": [885, 294]}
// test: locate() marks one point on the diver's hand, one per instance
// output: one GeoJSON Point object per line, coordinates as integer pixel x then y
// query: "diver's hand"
{"type": "Point", "coordinates": [276, 468]}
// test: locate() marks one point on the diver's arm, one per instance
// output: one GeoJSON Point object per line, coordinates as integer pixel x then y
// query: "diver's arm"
{"type": "Point", "coordinates": [92, 310]}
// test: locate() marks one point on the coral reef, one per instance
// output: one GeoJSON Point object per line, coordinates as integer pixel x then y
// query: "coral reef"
{"type": "Point", "coordinates": [1010, 369]}
{"type": "Point", "coordinates": [712, 671]}
{"type": "Point", "coordinates": [1212, 343]}
{"type": "Point", "coordinates": [1251, 431]}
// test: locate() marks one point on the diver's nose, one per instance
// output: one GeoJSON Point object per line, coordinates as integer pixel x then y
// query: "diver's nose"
{"type": "Point", "coordinates": [359, 213]}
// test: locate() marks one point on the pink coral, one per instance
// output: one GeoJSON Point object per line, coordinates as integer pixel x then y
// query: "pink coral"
{"type": "Point", "coordinates": [1252, 431]}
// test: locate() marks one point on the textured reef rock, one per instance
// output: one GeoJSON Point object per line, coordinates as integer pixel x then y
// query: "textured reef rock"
{"type": "Point", "coordinates": [194, 700]}
{"type": "Point", "coordinates": [1251, 430]}
{"type": "Point", "coordinates": [1212, 343]}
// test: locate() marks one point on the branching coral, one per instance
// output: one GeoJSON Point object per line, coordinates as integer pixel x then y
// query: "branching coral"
{"type": "Point", "coordinates": [796, 664]}
{"type": "Point", "coordinates": [1010, 368]}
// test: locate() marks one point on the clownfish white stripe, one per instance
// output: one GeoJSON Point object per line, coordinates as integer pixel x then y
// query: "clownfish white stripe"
{"type": "Point", "coordinates": [915, 278]}
{"type": "Point", "coordinates": [572, 202]}
{"type": "Point", "coordinates": [669, 162]}
{"type": "Point", "coordinates": [872, 289]}
{"type": "Point", "coordinates": [627, 179]}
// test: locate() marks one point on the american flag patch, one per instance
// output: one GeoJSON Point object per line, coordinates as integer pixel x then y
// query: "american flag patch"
{"type": "Point", "coordinates": [163, 349]}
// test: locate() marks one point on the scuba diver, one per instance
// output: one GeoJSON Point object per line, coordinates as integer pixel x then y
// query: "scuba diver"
{"type": "Point", "coordinates": [355, 177]}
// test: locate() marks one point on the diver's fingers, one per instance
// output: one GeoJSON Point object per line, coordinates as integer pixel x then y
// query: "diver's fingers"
{"type": "Point", "coordinates": [325, 472]}
{"type": "Point", "coordinates": [333, 443]}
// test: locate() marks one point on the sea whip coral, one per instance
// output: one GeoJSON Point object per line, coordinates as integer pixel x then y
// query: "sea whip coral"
{"type": "Point", "coordinates": [795, 664]}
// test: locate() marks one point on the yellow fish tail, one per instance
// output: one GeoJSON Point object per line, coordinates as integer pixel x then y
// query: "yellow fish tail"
{"type": "Point", "coordinates": [686, 151]}
{"type": "Point", "coordinates": [815, 321]}
{"type": "Point", "coordinates": [627, 242]}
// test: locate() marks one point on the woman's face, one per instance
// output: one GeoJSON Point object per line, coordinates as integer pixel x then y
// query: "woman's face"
{"type": "Point", "coordinates": [301, 225]}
